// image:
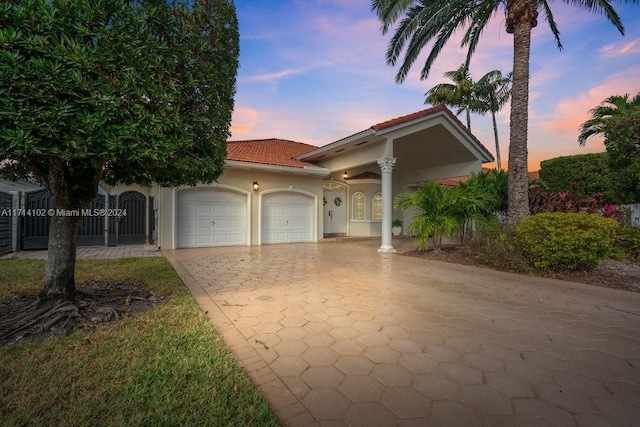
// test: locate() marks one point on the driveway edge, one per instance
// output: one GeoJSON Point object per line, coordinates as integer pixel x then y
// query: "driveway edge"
{"type": "Point", "coordinates": [286, 406]}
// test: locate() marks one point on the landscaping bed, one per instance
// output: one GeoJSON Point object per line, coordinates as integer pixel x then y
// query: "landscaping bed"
{"type": "Point", "coordinates": [611, 273]}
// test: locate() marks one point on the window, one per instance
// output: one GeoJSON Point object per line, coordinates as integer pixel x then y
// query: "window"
{"type": "Point", "coordinates": [358, 205]}
{"type": "Point", "coordinates": [377, 207]}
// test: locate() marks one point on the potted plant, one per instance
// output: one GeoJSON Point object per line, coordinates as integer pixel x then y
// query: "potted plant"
{"type": "Point", "coordinates": [396, 227]}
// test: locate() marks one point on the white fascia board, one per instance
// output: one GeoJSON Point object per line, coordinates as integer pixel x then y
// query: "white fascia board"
{"type": "Point", "coordinates": [307, 170]}
{"type": "Point", "coordinates": [330, 148]}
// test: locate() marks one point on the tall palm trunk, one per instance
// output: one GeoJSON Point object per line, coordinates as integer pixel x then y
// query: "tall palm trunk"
{"type": "Point", "coordinates": [521, 18]}
{"type": "Point", "coordinates": [495, 135]}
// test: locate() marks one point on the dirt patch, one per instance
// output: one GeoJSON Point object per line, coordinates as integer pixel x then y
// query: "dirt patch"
{"type": "Point", "coordinates": [27, 318]}
{"type": "Point", "coordinates": [611, 273]}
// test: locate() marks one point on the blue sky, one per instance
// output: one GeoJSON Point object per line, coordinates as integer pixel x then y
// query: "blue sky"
{"type": "Point", "coordinates": [314, 71]}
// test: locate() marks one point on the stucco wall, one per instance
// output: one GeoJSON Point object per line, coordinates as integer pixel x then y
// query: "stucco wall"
{"type": "Point", "coordinates": [241, 180]}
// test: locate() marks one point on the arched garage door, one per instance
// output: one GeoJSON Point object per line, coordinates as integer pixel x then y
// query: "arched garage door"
{"type": "Point", "coordinates": [287, 217]}
{"type": "Point", "coordinates": [211, 217]}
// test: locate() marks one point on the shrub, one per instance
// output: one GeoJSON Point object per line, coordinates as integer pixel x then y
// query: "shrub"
{"type": "Point", "coordinates": [492, 245]}
{"type": "Point", "coordinates": [628, 241]}
{"type": "Point", "coordinates": [565, 241]}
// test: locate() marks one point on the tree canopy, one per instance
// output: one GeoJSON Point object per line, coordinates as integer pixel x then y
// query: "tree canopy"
{"type": "Point", "coordinates": [115, 91]}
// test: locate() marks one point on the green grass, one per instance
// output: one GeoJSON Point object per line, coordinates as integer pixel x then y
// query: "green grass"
{"type": "Point", "coordinates": [165, 367]}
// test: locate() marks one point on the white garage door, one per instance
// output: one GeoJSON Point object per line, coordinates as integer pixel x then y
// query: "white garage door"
{"type": "Point", "coordinates": [211, 217]}
{"type": "Point", "coordinates": [287, 218]}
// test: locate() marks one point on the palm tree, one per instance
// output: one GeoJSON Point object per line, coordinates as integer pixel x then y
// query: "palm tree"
{"type": "Point", "coordinates": [492, 92]}
{"type": "Point", "coordinates": [613, 106]}
{"type": "Point", "coordinates": [458, 95]}
{"type": "Point", "coordinates": [433, 22]}
{"type": "Point", "coordinates": [442, 210]}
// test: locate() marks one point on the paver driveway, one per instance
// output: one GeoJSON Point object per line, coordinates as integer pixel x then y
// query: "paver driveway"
{"type": "Point", "coordinates": [339, 334]}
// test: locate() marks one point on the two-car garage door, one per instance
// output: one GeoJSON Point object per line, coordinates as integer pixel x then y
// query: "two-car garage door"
{"type": "Point", "coordinates": [211, 217]}
{"type": "Point", "coordinates": [217, 217]}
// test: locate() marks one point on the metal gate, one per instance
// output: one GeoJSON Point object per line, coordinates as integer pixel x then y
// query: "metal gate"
{"type": "Point", "coordinates": [6, 226]}
{"type": "Point", "coordinates": [131, 224]}
{"type": "Point", "coordinates": [35, 221]}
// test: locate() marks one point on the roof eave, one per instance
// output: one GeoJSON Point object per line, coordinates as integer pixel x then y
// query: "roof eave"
{"type": "Point", "coordinates": [306, 170]}
{"type": "Point", "coordinates": [329, 148]}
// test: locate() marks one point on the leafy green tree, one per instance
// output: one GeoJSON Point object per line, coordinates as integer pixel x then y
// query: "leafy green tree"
{"type": "Point", "coordinates": [115, 91]}
{"type": "Point", "coordinates": [492, 92]}
{"type": "Point", "coordinates": [458, 95]}
{"type": "Point", "coordinates": [432, 22]}
{"type": "Point", "coordinates": [442, 210]}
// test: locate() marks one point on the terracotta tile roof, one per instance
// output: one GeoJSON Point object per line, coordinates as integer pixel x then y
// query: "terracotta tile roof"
{"type": "Point", "coordinates": [413, 116]}
{"type": "Point", "coordinates": [273, 151]}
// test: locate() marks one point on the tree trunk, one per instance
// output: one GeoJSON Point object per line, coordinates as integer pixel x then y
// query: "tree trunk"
{"type": "Point", "coordinates": [71, 186]}
{"type": "Point", "coordinates": [521, 18]}
{"type": "Point", "coordinates": [61, 259]}
{"type": "Point", "coordinates": [495, 135]}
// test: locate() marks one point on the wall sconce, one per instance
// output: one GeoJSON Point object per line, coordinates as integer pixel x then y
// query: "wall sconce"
{"type": "Point", "coordinates": [345, 175]}
{"type": "Point", "coordinates": [255, 185]}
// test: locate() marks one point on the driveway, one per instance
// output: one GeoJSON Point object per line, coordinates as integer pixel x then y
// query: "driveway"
{"type": "Point", "coordinates": [339, 334]}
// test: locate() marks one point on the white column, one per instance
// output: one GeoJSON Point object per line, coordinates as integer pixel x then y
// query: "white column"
{"type": "Point", "coordinates": [386, 166]}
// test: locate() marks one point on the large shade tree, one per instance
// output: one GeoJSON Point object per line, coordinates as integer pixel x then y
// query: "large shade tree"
{"type": "Point", "coordinates": [112, 91]}
{"type": "Point", "coordinates": [432, 23]}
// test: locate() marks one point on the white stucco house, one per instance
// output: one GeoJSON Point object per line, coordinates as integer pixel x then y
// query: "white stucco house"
{"type": "Point", "coordinates": [278, 191]}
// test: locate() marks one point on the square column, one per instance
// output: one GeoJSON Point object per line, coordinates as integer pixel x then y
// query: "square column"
{"type": "Point", "coordinates": [386, 167]}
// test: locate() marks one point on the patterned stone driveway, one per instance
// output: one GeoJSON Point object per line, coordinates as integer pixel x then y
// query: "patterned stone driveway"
{"type": "Point", "coordinates": [339, 334]}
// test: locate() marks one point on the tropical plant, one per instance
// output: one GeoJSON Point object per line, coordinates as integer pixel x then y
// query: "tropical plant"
{"type": "Point", "coordinates": [432, 23]}
{"type": "Point", "coordinates": [494, 182]}
{"type": "Point", "coordinates": [487, 95]}
{"type": "Point", "coordinates": [618, 119]}
{"type": "Point", "coordinates": [492, 92]}
{"type": "Point", "coordinates": [115, 91]}
{"type": "Point", "coordinates": [613, 106]}
{"type": "Point", "coordinates": [458, 95]}
{"type": "Point", "coordinates": [441, 210]}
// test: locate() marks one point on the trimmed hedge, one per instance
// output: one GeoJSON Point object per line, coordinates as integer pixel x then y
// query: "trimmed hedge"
{"type": "Point", "coordinates": [565, 241]}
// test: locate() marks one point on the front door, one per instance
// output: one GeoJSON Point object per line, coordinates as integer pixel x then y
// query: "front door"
{"type": "Point", "coordinates": [335, 209]}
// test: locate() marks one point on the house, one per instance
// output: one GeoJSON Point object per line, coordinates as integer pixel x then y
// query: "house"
{"type": "Point", "coordinates": [279, 191]}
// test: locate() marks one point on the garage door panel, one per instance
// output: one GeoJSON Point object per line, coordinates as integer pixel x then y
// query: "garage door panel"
{"type": "Point", "coordinates": [211, 217]}
{"type": "Point", "coordinates": [287, 218]}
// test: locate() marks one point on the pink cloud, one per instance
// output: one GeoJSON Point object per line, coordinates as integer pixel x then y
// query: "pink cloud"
{"type": "Point", "coordinates": [570, 113]}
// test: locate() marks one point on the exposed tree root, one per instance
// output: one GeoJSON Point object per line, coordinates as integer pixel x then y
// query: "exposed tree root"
{"type": "Point", "coordinates": [30, 318]}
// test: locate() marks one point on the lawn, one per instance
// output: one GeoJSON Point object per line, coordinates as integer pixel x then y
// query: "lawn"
{"type": "Point", "coordinates": [165, 367]}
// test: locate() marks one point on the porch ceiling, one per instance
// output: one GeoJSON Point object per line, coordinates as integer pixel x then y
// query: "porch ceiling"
{"type": "Point", "coordinates": [428, 148]}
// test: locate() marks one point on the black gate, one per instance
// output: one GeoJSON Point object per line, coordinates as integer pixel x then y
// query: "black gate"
{"type": "Point", "coordinates": [6, 225]}
{"type": "Point", "coordinates": [36, 218]}
{"type": "Point", "coordinates": [91, 230]}
{"type": "Point", "coordinates": [131, 224]}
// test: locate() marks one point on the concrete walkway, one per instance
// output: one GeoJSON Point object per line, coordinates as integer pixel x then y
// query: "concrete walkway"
{"type": "Point", "coordinates": [96, 252]}
{"type": "Point", "coordinates": [338, 334]}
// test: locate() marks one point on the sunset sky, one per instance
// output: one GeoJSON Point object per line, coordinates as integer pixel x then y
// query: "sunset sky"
{"type": "Point", "coordinates": [314, 71]}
